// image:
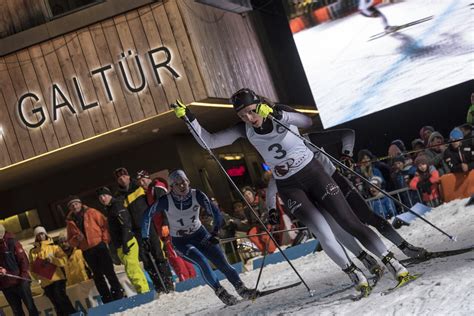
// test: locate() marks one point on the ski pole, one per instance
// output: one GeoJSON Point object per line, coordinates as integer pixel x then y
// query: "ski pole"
{"type": "Point", "coordinates": [150, 257]}
{"type": "Point", "coordinates": [224, 240]}
{"type": "Point", "coordinates": [263, 262]}
{"type": "Point", "coordinates": [211, 153]}
{"type": "Point", "coordinates": [343, 166]}
{"type": "Point", "coordinates": [8, 275]}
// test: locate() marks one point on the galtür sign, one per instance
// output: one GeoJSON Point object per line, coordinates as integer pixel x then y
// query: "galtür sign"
{"type": "Point", "coordinates": [36, 116]}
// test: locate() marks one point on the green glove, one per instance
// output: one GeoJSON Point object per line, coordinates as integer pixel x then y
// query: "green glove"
{"type": "Point", "coordinates": [264, 110]}
{"type": "Point", "coordinates": [179, 109]}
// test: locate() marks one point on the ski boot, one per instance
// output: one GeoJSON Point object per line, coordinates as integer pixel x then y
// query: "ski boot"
{"type": "Point", "coordinates": [372, 265]}
{"type": "Point", "coordinates": [395, 267]}
{"type": "Point", "coordinates": [225, 297]}
{"type": "Point", "coordinates": [413, 252]}
{"type": "Point", "coordinates": [359, 280]}
{"type": "Point", "coordinates": [245, 292]}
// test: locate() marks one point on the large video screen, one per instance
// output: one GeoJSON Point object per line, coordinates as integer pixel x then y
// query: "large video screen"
{"type": "Point", "coordinates": [355, 66]}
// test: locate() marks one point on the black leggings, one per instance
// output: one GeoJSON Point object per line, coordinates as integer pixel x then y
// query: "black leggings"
{"type": "Point", "coordinates": [312, 185]}
{"type": "Point", "coordinates": [363, 211]}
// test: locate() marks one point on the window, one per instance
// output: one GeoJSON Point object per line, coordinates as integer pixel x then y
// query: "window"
{"type": "Point", "coordinates": [61, 7]}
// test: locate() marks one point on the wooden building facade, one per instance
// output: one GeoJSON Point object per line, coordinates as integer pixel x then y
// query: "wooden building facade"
{"type": "Point", "coordinates": [71, 87]}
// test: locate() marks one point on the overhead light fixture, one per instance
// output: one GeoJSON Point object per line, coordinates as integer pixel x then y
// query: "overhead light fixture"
{"type": "Point", "coordinates": [155, 130]}
{"type": "Point", "coordinates": [230, 106]}
{"type": "Point", "coordinates": [231, 157]}
{"type": "Point", "coordinates": [125, 130]}
{"type": "Point", "coordinates": [1, 130]}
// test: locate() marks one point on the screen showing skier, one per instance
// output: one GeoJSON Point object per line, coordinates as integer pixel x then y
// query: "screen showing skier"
{"type": "Point", "coordinates": [363, 56]}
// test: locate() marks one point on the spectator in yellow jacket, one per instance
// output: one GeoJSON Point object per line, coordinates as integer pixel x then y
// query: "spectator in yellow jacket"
{"type": "Point", "coordinates": [47, 261]}
{"type": "Point", "coordinates": [75, 268]}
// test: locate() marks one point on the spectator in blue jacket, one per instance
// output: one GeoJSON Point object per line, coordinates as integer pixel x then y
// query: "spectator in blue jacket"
{"type": "Point", "coordinates": [381, 204]}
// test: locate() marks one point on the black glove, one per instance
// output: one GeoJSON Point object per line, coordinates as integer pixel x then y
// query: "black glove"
{"type": "Point", "coordinates": [347, 161]}
{"type": "Point", "coordinates": [125, 249]}
{"type": "Point", "coordinates": [273, 217]}
{"type": "Point", "coordinates": [146, 244]}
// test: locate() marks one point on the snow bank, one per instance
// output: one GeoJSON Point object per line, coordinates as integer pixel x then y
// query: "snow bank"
{"type": "Point", "coordinates": [446, 287]}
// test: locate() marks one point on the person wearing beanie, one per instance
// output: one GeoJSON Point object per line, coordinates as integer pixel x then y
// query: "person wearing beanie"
{"type": "Point", "coordinates": [14, 261]}
{"type": "Point", "coordinates": [380, 204]}
{"type": "Point", "coordinates": [400, 177]}
{"type": "Point", "coordinates": [470, 111]}
{"type": "Point", "coordinates": [47, 262]}
{"type": "Point", "coordinates": [135, 200]}
{"type": "Point", "coordinates": [75, 268]}
{"type": "Point", "coordinates": [425, 133]}
{"type": "Point", "coordinates": [426, 181]}
{"type": "Point", "coordinates": [458, 156]}
{"type": "Point", "coordinates": [87, 229]}
{"type": "Point", "coordinates": [367, 168]}
{"type": "Point", "coordinates": [299, 177]}
{"type": "Point", "coordinates": [189, 237]}
{"type": "Point", "coordinates": [122, 238]}
{"type": "Point", "coordinates": [155, 189]}
{"type": "Point", "coordinates": [435, 152]}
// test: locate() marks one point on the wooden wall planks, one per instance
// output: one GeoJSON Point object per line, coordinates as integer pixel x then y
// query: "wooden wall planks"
{"type": "Point", "coordinates": [203, 53]}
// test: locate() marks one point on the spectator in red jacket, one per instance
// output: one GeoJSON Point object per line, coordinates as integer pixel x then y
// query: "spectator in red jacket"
{"type": "Point", "coordinates": [426, 181]}
{"type": "Point", "coordinates": [14, 262]}
{"type": "Point", "coordinates": [154, 190]}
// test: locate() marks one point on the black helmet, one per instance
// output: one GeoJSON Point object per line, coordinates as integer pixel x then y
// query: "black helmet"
{"type": "Point", "coordinates": [244, 97]}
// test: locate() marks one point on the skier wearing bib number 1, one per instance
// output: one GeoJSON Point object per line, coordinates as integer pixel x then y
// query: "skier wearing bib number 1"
{"type": "Point", "coordinates": [191, 239]}
{"type": "Point", "coordinates": [301, 180]}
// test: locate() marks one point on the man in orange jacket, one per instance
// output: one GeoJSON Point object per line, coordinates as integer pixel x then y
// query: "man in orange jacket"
{"type": "Point", "coordinates": [87, 229]}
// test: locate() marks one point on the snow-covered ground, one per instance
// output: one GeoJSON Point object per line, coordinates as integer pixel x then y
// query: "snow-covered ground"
{"type": "Point", "coordinates": [446, 287]}
{"type": "Point", "coordinates": [351, 77]}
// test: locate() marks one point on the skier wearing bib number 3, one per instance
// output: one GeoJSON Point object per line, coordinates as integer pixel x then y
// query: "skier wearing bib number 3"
{"type": "Point", "coordinates": [301, 180]}
{"type": "Point", "coordinates": [191, 239]}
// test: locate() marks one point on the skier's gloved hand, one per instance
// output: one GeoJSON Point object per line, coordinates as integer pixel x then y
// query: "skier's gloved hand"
{"type": "Point", "coordinates": [347, 160]}
{"type": "Point", "coordinates": [181, 110]}
{"type": "Point", "coordinates": [146, 244]}
{"type": "Point", "coordinates": [264, 110]}
{"type": "Point", "coordinates": [273, 217]}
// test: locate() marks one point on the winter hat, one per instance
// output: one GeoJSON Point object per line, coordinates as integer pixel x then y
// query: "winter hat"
{"type": "Point", "coordinates": [417, 141]}
{"type": "Point", "coordinates": [364, 152]}
{"type": "Point", "coordinates": [400, 144]}
{"type": "Point", "coordinates": [177, 176]}
{"type": "Point", "coordinates": [71, 199]}
{"type": "Point", "coordinates": [376, 180]}
{"type": "Point", "coordinates": [422, 159]}
{"type": "Point", "coordinates": [399, 158]}
{"type": "Point", "coordinates": [394, 150]}
{"type": "Point", "coordinates": [103, 190]}
{"type": "Point", "coordinates": [456, 134]}
{"type": "Point", "coordinates": [244, 97]}
{"type": "Point", "coordinates": [433, 136]}
{"type": "Point", "coordinates": [38, 230]}
{"type": "Point", "coordinates": [424, 128]}
{"type": "Point", "coordinates": [120, 172]}
{"type": "Point", "coordinates": [143, 174]}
